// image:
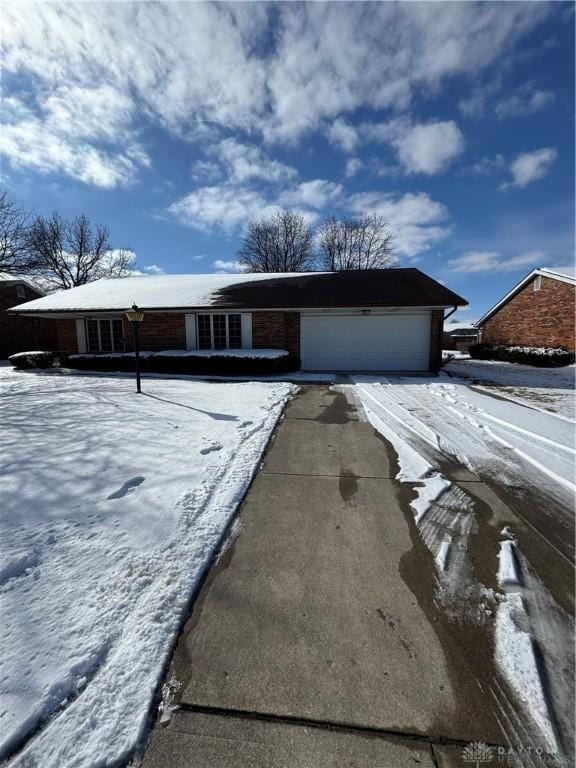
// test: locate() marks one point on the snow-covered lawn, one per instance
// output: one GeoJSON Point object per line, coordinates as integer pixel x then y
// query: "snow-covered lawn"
{"type": "Point", "coordinates": [113, 504]}
{"type": "Point", "coordinates": [552, 389]}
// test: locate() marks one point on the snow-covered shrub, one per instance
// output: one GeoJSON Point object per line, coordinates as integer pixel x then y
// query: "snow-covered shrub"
{"type": "Point", "coordinates": [542, 357]}
{"type": "Point", "coordinates": [226, 362]}
{"type": "Point", "coordinates": [34, 359]}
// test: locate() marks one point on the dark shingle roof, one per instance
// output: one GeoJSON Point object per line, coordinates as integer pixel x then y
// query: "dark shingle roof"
{"type": "Point", "coordinates": [374, 288]}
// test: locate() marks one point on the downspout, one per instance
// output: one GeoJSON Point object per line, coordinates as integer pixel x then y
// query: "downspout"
{"type": "Point", "coordinates": [449, 314]}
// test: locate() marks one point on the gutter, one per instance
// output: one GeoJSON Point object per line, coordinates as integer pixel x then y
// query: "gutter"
{"type": "Point", "coordinates": [211, 308]}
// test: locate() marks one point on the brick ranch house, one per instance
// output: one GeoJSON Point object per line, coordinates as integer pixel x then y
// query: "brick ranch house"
{"type": "Point", "coordinates": [538, 312]}
{"type": "Point", "coordinates": [19, 333]}
{"type": "Point", "coordinates": [388, 319]}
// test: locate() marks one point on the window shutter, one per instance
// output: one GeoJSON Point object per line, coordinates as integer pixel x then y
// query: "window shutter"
{"type": "Point", "coordinates": [81, 335]}
{"type": "Point", "coordinates": [191, 332]}
{"type": "Point", "coordinates": [246, 331]}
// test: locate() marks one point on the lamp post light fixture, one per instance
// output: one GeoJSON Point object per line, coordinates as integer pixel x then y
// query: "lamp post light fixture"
{"type": "Point", "coordinates": [135, 316]}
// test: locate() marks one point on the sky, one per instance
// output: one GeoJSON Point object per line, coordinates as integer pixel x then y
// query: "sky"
{"type": "Point", "coordinates": [173, 124]}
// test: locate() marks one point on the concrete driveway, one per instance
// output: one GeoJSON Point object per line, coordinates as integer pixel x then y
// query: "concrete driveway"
{"type": "Point", "coordinates": [315, 639]}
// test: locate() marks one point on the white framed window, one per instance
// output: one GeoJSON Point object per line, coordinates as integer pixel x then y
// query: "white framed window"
{"type": "Point", "coordinates": [537, 282]}
{"type": "Point", "coordinates": [20, 292]}
{"type": "Point", "coordinates": [219, 331]}
{"type": "Point", "coordinates": [104, 334]}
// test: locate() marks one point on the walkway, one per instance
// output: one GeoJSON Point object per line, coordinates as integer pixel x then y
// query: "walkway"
{"type": "Point", "coordinates": [315, 640]}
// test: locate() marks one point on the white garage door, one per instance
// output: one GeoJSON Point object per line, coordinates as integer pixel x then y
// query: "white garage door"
{"type": "Point", "coordinates": [365, 342]}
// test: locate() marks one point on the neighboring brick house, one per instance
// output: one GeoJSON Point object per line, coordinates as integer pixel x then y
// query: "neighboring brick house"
{"type": "Point", "coordinates": [388, 319]}
{"type": "Point", "coordinates": [538, 312]}
{"type": "Point", "coordinates": [17, 332]}
{"type": "Point", "coordinates": [459, 337]}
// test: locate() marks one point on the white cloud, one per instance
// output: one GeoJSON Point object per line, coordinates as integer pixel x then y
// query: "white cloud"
{"type": "Point", "coordinates": [272, 70]}
{"type": "Point", "coordinates": [206, 170]}
{"type": "Point", "coordinates": [475, 261]}
{"type": "Point", "coordinates": [154, 269]}
{"type": "Point", "coordinates": [199, 256]}
{"type": "Point", "coordinates": [429, 148]}
{"type": "Point", "coordinates": [524, 102]}
{"type": "Point", "coordinates": [312, 194]}
{"type": "Point", "coordinates": [530, 166]}
{"type": "Point", "coordinates": [353, 165]}
{"type": "Point", "coordinates": [68, 143]}
{"type": "Point", "coordinates": [518, 102]}
{"type": "Point", "coordinates": [486, 166]}
{"type": "Point", "coordinates": [493, 261]}
{"type": "Point", "coordinates": [246, 161]}
{"type": "Point", "coordinates": [229, 206]}
{"type": "Point", "coordinates": [476, 103]}
{"type": "Point", "coordinates": [228, 266]}
{"type": "Point", "coordinates": [343, 135]}
{"type": "Point", "coordinates": [224, 207]}
{"type": "Point", "coordinates": [417, 221]}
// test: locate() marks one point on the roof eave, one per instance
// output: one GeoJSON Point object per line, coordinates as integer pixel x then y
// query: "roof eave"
{"type": "Point", "coordinates": [63, 313]}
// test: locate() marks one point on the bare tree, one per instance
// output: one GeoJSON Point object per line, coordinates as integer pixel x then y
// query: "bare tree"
{"type": "Point", "coordinates": [13, 230]}
{"type": "Point", "coordinates": [65, 253]}
{"type": "Point", "coordinates": [282, 243]}
{"type": "Point", "coordinates": [362, 243]}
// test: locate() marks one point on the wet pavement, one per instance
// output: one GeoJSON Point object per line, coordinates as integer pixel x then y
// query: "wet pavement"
{"type": "Point", "coordinates": [317, 638]}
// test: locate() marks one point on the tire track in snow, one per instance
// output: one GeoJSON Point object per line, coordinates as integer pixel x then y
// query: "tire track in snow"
{"type": "Point", "coordinates": [518, 630]}
{"type": "Point", "coordinates": [436, 434]}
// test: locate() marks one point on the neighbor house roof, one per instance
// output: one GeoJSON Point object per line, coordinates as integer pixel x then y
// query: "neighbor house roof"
{"type": "Point", "coordinates": [562, 274]}
{"type": "Point", "coordinates": [6, 279]}
{"type": "Point", "coordinates": [458, 328]}
{"type": "Point", "coordinates": [374, 288]}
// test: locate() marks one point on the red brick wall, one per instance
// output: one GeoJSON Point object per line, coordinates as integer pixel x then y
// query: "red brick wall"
{"type": "Point", "coordinates": [543, 318]}
{"type": "Point", "coordinates": [277, 330]}
{"type": "Point", "coordinates": [436, 330]}
{"type": "Point", "coordinates": [18, 333]}
{"type": "Point", "coordinates": [66, 333]}
{"type": "Point", "coordinates": [158, 331]}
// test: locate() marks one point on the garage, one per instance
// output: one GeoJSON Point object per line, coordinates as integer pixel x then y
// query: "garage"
{"type": "Point", "coordinates": [365, 342]}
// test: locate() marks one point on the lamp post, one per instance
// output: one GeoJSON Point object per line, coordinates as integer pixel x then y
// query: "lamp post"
{"type": "Point", "coordinates": [136, 316]}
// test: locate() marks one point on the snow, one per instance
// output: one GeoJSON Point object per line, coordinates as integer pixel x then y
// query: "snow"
{"type": "Point", "coordinates": [443, 513]}
{"type": "Point", "coordinates": [251, 354]}
{"type": "Point", "coordinates": [6, 278]}
{"type": "Point", "coordinates": [498, 439]}
{"type": "Point", "coordinates": [113, 506]}
{"type": "Point", "coordinates": [566, 271]}
{"type": "Point", "coordinates": [508, 569]}
{"type": "Point", "coordinates": [23, 355]}
{"type": "Point", "coordinates": [148, 292]}
{"type": "Point", "coordinates": [413, 468]}
{"type": "Point", "coordinates": [427, 420]}
{"type": "Point", "coordinates": [551, 389]}
{"type": "Point", "coordinates": [515, 657]}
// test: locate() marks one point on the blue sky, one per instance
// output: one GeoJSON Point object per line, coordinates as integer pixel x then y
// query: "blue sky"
{"type": "Point", "coordinates": [175, 123]}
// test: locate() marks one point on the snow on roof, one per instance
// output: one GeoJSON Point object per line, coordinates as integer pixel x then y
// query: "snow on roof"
{"type": "Point", "coordinates": [567, 271]}
{"type": "Point", "coordinates": [148, 292]}
{"type": "Point", "coordinates": [448, 328]}
{"type": "Point", "coordinates": [18, 279]}
{"type": "Point", "coordinates": [357, 288]}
